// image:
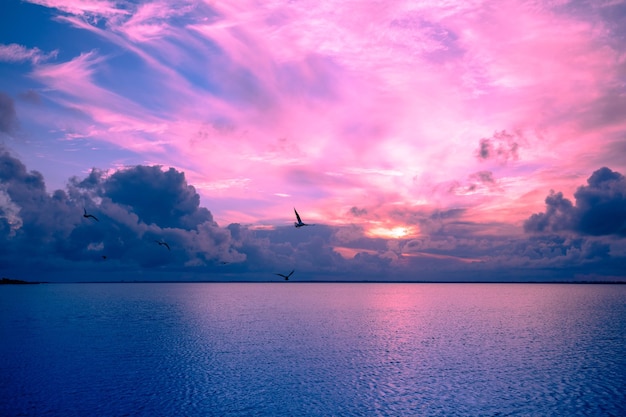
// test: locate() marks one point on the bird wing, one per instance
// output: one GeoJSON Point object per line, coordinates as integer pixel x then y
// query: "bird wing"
{"type": "Point", "coordinates": [291, 272]}
{"type": "Point", "coordinates": [297, 215]}
{"type": "Point", "coordinates": [280, 275]}
{"type": "Point", "coordinates": [163, 243]}
{"type": "Point", "coordinates": [89, 215]}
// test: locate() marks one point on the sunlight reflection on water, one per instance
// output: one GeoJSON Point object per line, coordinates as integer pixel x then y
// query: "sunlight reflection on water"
{"type": "Point", "coordinates": [313, 349]}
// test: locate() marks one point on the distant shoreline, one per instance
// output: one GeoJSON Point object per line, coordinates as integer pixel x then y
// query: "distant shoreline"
{"type": "Point", "coordinates": [10, 281]}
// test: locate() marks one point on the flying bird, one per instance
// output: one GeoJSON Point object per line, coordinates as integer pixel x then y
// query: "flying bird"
{"type": "Point", "coordinates": [89, 215]}
{"type": "Point", "coordinates": [299, 222]}
{"type": "Point", "coordinates": [286, 276]}
{"type": "Point", "coordinates": [163, 243]}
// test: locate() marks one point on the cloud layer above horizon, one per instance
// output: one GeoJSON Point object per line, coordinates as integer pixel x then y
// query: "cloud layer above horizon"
{"type": "Point", "coordinates": [146, 223]}
{"type": "Point", "coordinates": [415, 133]}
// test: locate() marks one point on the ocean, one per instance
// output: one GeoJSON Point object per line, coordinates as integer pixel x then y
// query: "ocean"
{"type": "Point", "coordinates": [312, 349]}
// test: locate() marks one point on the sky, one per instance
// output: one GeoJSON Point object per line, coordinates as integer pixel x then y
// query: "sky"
{"type": "Point", "coordinates": [426, 140]}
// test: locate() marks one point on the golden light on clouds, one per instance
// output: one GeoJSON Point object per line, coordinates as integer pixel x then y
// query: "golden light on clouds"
{"type": "Point", "coordinates": [392, 232]}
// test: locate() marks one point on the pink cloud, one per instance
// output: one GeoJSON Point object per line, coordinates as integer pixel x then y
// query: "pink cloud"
{"type": "Point", "coordinates": [95, 8]}
{"type": "Point", "coordinates": [110, 117]}
{"type": "Point", "coordinates": [19, 53]}
{"type": "Point", "coordinates": [373, 105]}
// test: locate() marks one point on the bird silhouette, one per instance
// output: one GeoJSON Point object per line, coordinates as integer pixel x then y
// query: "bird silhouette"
{"type": "Point", "coordinates": [299, 222]}
{"type": "Point", "coordinates": [87, 216]}
{"type": "Point", "coordinates": [286, 276]}
{"type": "Point", "coordinates": [163, 243]}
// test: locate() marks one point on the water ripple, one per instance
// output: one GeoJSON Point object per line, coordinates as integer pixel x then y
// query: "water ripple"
{"type": "Point", "coordinates": [313, 350]}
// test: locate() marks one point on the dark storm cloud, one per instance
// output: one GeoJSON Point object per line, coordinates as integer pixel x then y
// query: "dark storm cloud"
{"type": "Point", "coordinates": [156, 196]}
{"type": "Point", "coordinates": [8, 116]}
{"type": "Point", "coordinates": [50, 228]}
{"type": "Point", "coordinates": [560, 215]}
{"type": "Point", "coordinates": [145, 204]}
{"type": "Point", "coordinates": [555, 250]}
{"type": "Point", "coordinates": [494, 258]}
{"type": "Point", "coordinates": [43, 217]}
{"type": "Point", "coordinates": [602, 204]}
{"type": "Point", "coordinates": [502, 147]}
{"type": "Point", "coordinates": [137, 207]}
{"type": "Point", "coordinates": [39, 219]}
{"type": "Point", "coordinates": [373, 264]}
{"type": "Point", "coordinates": [46, 233]}
{"type": "Point", "coordinates": [600, 208]}
{"type": "Point", "coordinates": [301, 248]}
{"type": "Point", "coordinates": [92, 182]}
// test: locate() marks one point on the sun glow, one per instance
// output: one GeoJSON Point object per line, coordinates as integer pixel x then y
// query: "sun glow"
{"type": "Point", "coordinates": [397, 232]}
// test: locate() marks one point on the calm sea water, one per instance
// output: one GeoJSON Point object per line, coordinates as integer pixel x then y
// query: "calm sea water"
{"type": "Point", "coordinates": [298, 349]}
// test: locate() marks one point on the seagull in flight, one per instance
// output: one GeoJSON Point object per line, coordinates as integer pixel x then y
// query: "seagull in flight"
{"type": "Point", "coordinates": [89, 215]}
{"type": "Point", "coordinates": [163, 243]}
{"type": "Point", "coordinates": [286, 276]}
{"type": "Point", "coordinates": [299, 222]}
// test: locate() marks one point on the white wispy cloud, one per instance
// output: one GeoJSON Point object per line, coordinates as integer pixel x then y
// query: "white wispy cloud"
{"type": "Point", "coordinates": [18, 53]}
